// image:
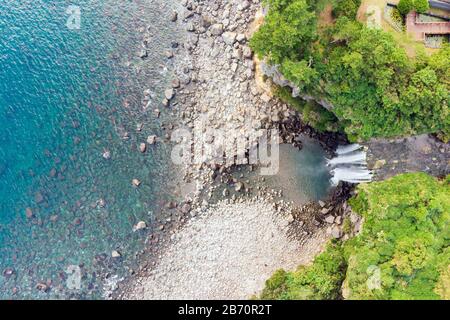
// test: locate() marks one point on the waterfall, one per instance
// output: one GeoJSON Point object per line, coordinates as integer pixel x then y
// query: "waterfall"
{"type": "Point", "coordinates": [350, 165]}
{"type": "Point", "coordinates": [353, 158]}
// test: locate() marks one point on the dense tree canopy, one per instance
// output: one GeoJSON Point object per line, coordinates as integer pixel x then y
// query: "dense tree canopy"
{"type": "Point", "coordinates": [402, 252]}
{"type": "Point", "coordinates": [405, 6]}
{"type": "Point", "coordinates": [421, 6]}
{"type": "Point", "coordinates": [375, 88]}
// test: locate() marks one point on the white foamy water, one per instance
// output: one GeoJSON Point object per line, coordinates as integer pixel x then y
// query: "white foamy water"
{"type": "Point", "coordinates": [350, 165]}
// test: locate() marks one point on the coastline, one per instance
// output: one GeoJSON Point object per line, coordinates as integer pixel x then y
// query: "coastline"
{"type": "Point", "coordinates": [216, 77]}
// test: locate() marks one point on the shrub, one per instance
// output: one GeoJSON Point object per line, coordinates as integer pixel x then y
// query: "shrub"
{"type": "Point", "coordinates": [347, 8]}
{"type": "Point", "coordinates": [321, 280]}
{"type": "Point", "coordinates": [311, 113]}
{"type": "Point", "coordinates": [405, 6]}
{"type": "Point", "coordinates": [405, 235]}
{"type": "Point", "coordinates": [421, 6]}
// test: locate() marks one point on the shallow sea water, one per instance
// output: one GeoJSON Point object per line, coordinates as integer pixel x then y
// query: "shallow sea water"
{"type": "Point", "coordinates": [67, 96]}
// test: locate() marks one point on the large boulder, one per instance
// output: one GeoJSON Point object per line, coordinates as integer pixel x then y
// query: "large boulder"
{"type": "Point", "coordinates": [217, 29]}
{"type": "Point", "coordinates": [229, 38]}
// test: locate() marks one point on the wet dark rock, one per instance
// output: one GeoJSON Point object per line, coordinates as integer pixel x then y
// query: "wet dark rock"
{"type": "Point", "coordinates": [186, 208]}
{"type": "Point", "coordinates": [174, 16]}
{"type": "Point", "coordinates": [171, 205]}
{"type": "Point", "coordinates": [143, 54]}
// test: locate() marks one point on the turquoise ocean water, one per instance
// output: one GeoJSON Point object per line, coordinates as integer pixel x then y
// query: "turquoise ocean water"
{"type": "Point", "coordinates": [66, 96]}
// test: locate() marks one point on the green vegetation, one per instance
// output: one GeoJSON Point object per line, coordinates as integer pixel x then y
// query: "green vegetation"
{"type": "Point", "coordinates": [405, 6]}
{"type": "Point", "coordinates": [402, 252]}
{"type": "Point", "coordinates": [376, 90]}
{"type": "Point", "coordinates": [346, 8]}
{"type": "Point", "coordinates": [313, 114]}
{"type": "Point", "coordinates": [421, 6]}
{"type": "Point", "coordinates": [322, 280]}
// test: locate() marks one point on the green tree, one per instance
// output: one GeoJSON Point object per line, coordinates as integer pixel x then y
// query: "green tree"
{"type": "Point", "coordinates": [287, 32]}
{"type": "Point", "coordinates": [421, 6]}
{"type": "Point", "coordinates": [401, 252]}
{"type": "Point", "coordinates": [374, 88]}
{"type": "Point", "coordinates": [322, 280]}
{"type": "Point", "coordinates": [405, 6]}
{"type": "Point", "coordinates": [346, 8]}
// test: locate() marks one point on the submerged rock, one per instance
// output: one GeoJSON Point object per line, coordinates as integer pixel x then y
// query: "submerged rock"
{"type": "Point", "coordinates": [38, 197]}
{"type": "Point", "coordinates": [8, 272]}
{"type": "Point", "coordinates": [115, 254]}
{"type": "Point", "coordinates": [169, 94]}
{"type": "Point", "coordinates": [238, 186]}
{"type": "Point", "coordinates": [41, 286]}
{"type": "Point", "coordinates": [29, 213]}
{"type": "Point", "coordinates": [140, 226]}
{"type": "Point", "coordinates": [106, 155]}
{"type": "Point", "coordinates": [174, 16]}
{"type": "Point", "coordinates": [151, 139]}
{"type": "Point", "coordinates": [101, 203]}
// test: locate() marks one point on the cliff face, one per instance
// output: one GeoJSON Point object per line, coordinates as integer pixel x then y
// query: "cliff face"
{"type": "Point", "coordinates": [418, 153]}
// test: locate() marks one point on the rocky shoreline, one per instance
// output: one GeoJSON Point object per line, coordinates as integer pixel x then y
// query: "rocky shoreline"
{"type": "Point", "coordinates": [215, 79]}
